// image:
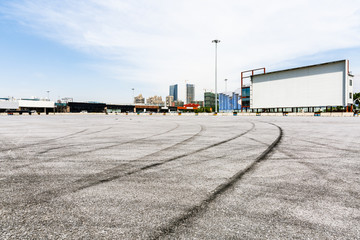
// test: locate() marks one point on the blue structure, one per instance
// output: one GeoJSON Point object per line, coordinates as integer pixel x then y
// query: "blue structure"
{"type": "Point", "coordinates": [229, 102]}
{"type": "Point", "coordinates": [174, 91]}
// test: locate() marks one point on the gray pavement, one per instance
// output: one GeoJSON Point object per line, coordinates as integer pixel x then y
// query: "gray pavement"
{"type": "Point", "coordinates": [179, 177]}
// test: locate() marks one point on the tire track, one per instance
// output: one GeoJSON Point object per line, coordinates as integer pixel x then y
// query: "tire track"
{"type": "Point", "coordinates": [327, 145]}
{"type": "Point", "coordinates": [113, 174]}
{"type": "Point", "coordinates": [43, 142]}
{"type": "Point", "coordinates": [217, 192]}
{"type": "Point", "coordinates": [65, 146]}
{"type": "Point", "coordinates": [96, 149]}
{"type": "Point", "coordinates": [289, 155]}
{"type": "Point", "coordinates": [54, 139]}
{"type": "Point", "coordinates": [102, 177]}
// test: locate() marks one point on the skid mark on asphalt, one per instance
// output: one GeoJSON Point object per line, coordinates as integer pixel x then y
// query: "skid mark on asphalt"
{"type": "Point", "coordinates": [96, 149]}
{"type": "Point", "coordinates": [112, 174]}
{"type": "Point", "coordinates": [195, 210]}
{"type": "Point", "coordinates": [65, 146]}
{"type": "Point", "coordinates": [103, 176]}
{"type": "Point", "coordinates": [43, 142]}
{"type": "Point", "coordinates": [327, 145]}
{"type": "Point", "coordinates": [289, 155]}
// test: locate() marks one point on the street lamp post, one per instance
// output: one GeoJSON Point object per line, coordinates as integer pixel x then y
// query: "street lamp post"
{"type": "Point", "coordinates": [216, 42]}
{"type": "Point", "coordinates": [225, 85]}
{"type": "Point", "coordinates": [48, 94]}
{"type": "Point", "coordinates": [133, 92]}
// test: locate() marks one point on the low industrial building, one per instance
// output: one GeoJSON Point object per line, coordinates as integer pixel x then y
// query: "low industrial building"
{"type": "Point", "coordinates": [90, 107]}
{"type": "Point", "coordinates": [190, 107]}
{"type": "Point", "coordinates": [7, 104]}
{"type": "Point", "coordinates": [29, 105]}
{"type": "Point", "coordinates": [117, 108]}
{"type": "Point", "coordinates": [95, 107]}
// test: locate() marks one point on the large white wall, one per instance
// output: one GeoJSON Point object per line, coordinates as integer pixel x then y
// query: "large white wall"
{"type": "Point", "coordinates": [4, 104]}
{"type": "Point", "coordinates": [36, 104]}
{"type": "Point", "coordinates": [320, 85]}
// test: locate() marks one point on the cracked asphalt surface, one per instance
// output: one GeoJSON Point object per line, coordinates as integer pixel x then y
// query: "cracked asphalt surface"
{"type": "Point", "coordinates": [179, 177]}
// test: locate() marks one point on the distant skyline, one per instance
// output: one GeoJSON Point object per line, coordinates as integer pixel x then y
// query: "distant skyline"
{"type": "Point", "coordinates": [98, 50]}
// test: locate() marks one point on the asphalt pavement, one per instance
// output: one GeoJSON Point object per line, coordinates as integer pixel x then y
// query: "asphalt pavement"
{"type": "Point", "coordinates": [179, 177]}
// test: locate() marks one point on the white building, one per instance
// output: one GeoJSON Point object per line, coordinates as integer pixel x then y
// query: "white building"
{"type": "Point", "coordinates": [39, 105]}
{"type": "Point", "coordinates": [321, 85]}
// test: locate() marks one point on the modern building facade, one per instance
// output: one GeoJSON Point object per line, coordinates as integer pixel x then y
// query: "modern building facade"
{"type": "Point", "coordinates": [245, 98]}
{"type": "Point", "coordinates": [209, 100]}
{"type": "Point", "coordinates": [173, 91]}
{"type": "Point", "coordinates": [190, 93]}
{"type": "Point", "coordinates": [311, 87]}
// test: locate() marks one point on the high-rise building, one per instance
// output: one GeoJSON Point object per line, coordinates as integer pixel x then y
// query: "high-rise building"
{"type": "Point", "coordinates": [209, 100]}
{"type": "Point", "coordinates": [155, 100]}
{"type": "Point", "coordinates": [190, 93]}
{"type": "Point", "coordinates": [139, 99]}
{"type": "Point", "coordinates": [170, 101]}
{"type": "Point", "coordinates": [174, 91]}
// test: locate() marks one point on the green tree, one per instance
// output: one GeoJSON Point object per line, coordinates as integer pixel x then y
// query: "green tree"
{"type": "Point", "coordinates": [356, 95]}
{"type": "Point", "coordinates": [357, 103]}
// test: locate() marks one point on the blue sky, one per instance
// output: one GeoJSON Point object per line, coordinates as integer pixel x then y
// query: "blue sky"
{"type": "Point", "coordinates": [97, 50]}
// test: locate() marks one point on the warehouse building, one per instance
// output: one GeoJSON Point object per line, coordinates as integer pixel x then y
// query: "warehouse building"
{"type": "Point", "coordinates": [117, 108]}
{"type": "Point", "coordinates": [309, 88]}
{"type": "Point", "coordinates": [26, 105]}
{"type": "Point", "coordinates": [7, 104]}
{"type": "Point", "coordinates": [90, 107]}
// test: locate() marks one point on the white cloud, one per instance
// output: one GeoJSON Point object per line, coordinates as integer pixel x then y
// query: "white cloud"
{"type": "Point", "coordinates": [165, 42]}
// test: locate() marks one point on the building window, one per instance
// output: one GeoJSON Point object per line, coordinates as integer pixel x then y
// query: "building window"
{"type": "Point", "coordinates": [350, 95]}
{"type": "Point", "coordinates": [350, 82]}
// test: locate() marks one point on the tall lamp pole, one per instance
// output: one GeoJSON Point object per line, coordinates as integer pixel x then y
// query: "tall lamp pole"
{"type": "Point", "coordinates": [216, 42]}
{"type": "Point", "coordinates": [133, 92]}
